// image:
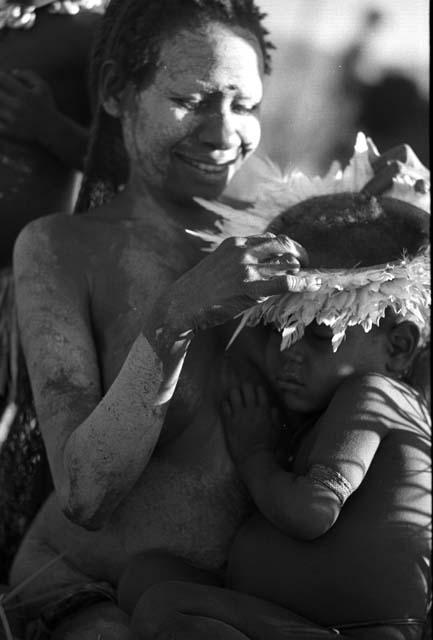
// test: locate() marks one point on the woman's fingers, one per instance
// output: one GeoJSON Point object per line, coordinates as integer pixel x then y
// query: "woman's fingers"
{"type": "Point", "coordinates": [271, 247]}
{"type": "Point", "coordinates": [267, 271]}
{"type": "Point", "coordinates": [281, 284]}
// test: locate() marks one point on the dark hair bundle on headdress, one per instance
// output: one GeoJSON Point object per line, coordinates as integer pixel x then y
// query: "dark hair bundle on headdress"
{"type": "Point", "coordinates": [131, 34]}
{"type": "Point", "coordinates": [344, 230]}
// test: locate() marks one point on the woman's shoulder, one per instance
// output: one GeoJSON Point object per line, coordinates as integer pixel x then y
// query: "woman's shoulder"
{"type": "Point", "coordinates": [53, 229]}
{"type": "Point", "coordinates": [51, 242]}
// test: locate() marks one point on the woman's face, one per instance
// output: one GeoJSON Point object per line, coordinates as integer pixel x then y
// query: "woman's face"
{"type": "Point", "coordinates": [189, 131]}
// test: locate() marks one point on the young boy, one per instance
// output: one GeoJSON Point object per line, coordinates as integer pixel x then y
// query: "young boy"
{"type": "Point", "coordinates": [342, 534]}
{"type": "Point", "coordinates": [352, 507]}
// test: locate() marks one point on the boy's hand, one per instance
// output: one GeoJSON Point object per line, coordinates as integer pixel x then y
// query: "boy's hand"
{"type": "Point", "coordinates": [400, 160]}
{"type": "Point", "coordinates": [250, 423]}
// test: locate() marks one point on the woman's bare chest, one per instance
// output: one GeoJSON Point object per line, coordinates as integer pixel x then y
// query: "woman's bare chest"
{"type": "Point", "coordinates": [125, 287]}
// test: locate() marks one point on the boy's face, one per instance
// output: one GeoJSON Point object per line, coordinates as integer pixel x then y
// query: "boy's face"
{"type": "Point", "coordinates": [307, 374]}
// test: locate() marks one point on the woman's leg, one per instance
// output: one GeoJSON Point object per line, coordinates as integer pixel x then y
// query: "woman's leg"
{"type": "Point", "coordinates": [62, 599]}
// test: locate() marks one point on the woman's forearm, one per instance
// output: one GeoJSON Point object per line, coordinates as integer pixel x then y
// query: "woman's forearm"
{"type": "Point", "coordinates": [108, 452]}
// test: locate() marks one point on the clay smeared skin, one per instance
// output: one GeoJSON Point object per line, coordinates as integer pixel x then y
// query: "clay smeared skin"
{"type": "Point", "coordinates": [200, 79]}
{"type": "Point", "coordinates": [189, 488]}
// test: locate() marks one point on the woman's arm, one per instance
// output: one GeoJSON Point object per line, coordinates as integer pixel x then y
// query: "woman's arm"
{"type": "Point", "coordinates": [348, 435]}
{"type": "Point", "coordinates": [97, 445]}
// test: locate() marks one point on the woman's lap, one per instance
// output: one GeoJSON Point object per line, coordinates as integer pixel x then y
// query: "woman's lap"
{"type": "Point", "coordinates": [175, 609]}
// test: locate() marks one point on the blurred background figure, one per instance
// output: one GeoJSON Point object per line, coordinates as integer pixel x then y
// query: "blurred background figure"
{"type": "Point", "coordinates": [341, 67]}
{"type": "Point", "coordinates": [44, 108]}
{"type": "Point", "coordinates": [388, 106]}
{"type": "Point", "coordinates": [45, 117]}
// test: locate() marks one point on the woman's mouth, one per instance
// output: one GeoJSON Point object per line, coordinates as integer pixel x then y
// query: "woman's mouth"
{"type": "Point", "coordinates": [208, 168]}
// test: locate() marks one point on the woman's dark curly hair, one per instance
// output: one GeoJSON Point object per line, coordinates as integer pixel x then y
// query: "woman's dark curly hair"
{"type": "Point", "coordinates": [131, 34]}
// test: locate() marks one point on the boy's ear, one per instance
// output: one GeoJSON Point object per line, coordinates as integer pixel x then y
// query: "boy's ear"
{"type": "Point", "coordinates": [403, 339]}
{"type": "Point", "coordinates": [111, 88]}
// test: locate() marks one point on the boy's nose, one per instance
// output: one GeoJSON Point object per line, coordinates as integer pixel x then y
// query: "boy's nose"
{"type": "Point", "coordinates": [294, 354]}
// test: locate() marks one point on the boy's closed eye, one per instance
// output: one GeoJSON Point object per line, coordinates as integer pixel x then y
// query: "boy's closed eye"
{"type": "Point", "coordinates": [318, 332]}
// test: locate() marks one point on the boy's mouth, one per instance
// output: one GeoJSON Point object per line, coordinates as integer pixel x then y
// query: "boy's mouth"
{"type": "Point", "coordinates": [289, 382]}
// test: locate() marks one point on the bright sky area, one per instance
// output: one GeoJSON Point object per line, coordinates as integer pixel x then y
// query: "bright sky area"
{"type": "Point", "coordinates": [332, 25]}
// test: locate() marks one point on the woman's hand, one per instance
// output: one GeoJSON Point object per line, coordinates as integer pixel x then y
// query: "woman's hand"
{"type": "Point", "coordinates": [400, 160]}
{"type": "Point", "coordinates": [240, 273]}
{"type": "Point", "coordinates": [251, 423]}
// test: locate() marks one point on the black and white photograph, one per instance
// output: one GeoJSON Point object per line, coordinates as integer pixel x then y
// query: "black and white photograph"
{"type": "Point", "coordinates": [215, 292]}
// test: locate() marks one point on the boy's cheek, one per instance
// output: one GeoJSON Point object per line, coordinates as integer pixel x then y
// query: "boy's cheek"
{"type": "Point", "coordinates": [345, 369]}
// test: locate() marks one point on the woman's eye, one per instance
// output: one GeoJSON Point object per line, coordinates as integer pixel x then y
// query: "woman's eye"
{"type": "Point", "coordinates": [245, 108]}
{"type": "Point", "coordinates": [187, 103]}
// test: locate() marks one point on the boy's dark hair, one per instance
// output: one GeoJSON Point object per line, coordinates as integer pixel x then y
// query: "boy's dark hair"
{"type": "Point", "coordinates": [131, 34]}
{"type": "Point", "coordinates": [344, 230]}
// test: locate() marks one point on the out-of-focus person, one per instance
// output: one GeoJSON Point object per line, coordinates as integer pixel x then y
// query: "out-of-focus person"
{"type": "Point", "coordinates": [392, 110]}
{"type": "Point", "coordinates": [44, 109]}
{"type": "Point", "coordinates": [387, 105]}
{"type": "Point", "coordinates": [45, 117]}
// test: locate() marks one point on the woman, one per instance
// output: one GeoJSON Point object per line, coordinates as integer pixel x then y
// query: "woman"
{"type": "Point", "coordinates": [45, 113]}
{"type": "Point", "coordinates": [108, 304]}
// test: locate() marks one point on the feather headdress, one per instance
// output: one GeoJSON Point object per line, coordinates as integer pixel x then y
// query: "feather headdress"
{"type": "Point", "coordinates": [346, 297]}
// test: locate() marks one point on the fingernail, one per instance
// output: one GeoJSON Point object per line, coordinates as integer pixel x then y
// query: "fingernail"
{"type": "Point", "coordinates": [313, 283]}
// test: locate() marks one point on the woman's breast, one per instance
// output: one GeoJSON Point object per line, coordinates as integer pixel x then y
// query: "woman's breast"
{"type": "Point", "coordinates": [191, 510]}
{"type": "Point", "coordinates": [189, 501]}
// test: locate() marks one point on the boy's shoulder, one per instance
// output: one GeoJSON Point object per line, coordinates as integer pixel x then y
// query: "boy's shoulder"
{"type": "Point", "coordinates": [382, 399]}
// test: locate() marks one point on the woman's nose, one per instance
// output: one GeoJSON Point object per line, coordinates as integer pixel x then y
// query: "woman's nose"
{"type": "Point", "coordinates": [218, 131]}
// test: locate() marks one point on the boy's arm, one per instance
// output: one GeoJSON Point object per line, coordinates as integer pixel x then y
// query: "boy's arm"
{"type": "Point", "coordinates": [348, 435]}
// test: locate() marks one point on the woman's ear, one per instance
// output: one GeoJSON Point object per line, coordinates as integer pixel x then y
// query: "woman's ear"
{"type": "Point", "coordinates": [111, 88]}
{"type": "Point", "coordinates": [403, 339]}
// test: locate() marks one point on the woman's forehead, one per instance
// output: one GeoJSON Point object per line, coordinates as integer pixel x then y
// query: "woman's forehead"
{"type": "Point", "coordinates": [211, 57]}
